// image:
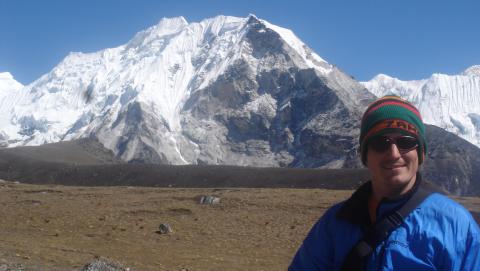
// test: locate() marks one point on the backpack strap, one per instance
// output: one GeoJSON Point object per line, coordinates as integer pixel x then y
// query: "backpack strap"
{"type": "Point", "coordinates": [355, 259]}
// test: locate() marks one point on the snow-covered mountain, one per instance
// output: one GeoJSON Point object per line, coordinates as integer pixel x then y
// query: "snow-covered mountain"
{"type": "Point", "coordinates": [225, 90]}
{"type": "Point", "coordinates": [451, 102]}
{"type": "Point", "coordinates": [9, 88]}
{"type": "Point", "coordinates": [8, 83]}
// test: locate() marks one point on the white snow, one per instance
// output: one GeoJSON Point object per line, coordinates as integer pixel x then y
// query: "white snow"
{"type": "Point", "coordinates": [264, 104]}
{"type": "Point", "coordinates": [472, 71]}
{"type": "Point", "coordinates": [451, 102]}
{"type": "Point", "coordinates": [10, 94]}
{"type": "Point", "coordinates": [7, 82]}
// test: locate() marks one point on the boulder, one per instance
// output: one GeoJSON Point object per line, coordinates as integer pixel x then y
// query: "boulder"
{"type": "Point", "coordinates": [164, 228]}
{"type": "Point", "coordinates": [211, 200]}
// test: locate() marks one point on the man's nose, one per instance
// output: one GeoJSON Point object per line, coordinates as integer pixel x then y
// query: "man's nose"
{"type": "Point", "coordinates": [393, 151]}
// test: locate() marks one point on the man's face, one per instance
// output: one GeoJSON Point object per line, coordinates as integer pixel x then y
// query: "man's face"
{"type": "Point", "coordinates": [393, 171]}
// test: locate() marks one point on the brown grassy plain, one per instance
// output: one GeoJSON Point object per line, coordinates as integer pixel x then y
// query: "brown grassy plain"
{"type": "Point", "coordinates": [50, 227]}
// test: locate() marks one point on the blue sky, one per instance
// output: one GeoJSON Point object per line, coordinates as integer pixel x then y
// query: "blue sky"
{"type": "Point", "coordinates": [407, 39]}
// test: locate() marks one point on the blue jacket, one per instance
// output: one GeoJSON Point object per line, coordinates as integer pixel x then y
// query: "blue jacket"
{"type": "Point", "coordinates": [439, 234]}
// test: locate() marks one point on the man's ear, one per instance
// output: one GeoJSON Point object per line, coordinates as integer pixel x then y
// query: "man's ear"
{"type": "Point", "coordinates": [423, 158]}
{"type": "Point", "coordinates": [359, 153]}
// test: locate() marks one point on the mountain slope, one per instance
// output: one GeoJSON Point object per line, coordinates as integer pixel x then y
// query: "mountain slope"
{"type": "Point", "coordinates": [451, 102]}
{"type": "Point", "coordinates": [452, 163]}
{"type": "Point", "coordinates": [9, 87]}
{"type": "Point", "coordinates": [223, 91]}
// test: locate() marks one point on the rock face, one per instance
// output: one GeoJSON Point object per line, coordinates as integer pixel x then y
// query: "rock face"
{"type": "Point", "coordinates": [302, 122]}
{"type": "Point", "coordinates": [452, 163]}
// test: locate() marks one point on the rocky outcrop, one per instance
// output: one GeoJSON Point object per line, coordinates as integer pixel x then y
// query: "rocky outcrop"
{"type": "Point", "coordinates": [452, 162]}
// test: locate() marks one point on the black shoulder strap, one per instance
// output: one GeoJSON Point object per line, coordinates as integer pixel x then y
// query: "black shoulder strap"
{"type": "Point", "coordinates": [381, 230]}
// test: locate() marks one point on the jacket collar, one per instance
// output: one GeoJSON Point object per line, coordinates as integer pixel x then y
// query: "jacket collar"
{"type": "Point", "coordinates": [355, 209]}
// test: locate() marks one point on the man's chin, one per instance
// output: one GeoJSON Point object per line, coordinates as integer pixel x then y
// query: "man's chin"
{"type": "Point", "coordinates": [396, 177]}
{"type": "Point", "coordinates": [397, 182]}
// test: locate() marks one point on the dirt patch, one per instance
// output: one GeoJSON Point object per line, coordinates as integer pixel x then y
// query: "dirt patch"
{"type": "Point", "coordinates": [251, 229]}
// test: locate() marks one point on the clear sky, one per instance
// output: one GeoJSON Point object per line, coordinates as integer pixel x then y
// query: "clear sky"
{"type": "Point", "coordinates": [407, 39]}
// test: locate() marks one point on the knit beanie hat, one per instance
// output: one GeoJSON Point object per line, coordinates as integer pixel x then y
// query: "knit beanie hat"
{"type": "Point", "coordinates": [392, 114]}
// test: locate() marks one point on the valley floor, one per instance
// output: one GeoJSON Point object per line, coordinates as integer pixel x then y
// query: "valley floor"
{"type": "Point", "coordinates": [46, 227]}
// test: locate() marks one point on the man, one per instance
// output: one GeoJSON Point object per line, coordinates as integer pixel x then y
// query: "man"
{"type": "Point", "coordinates": [436, 234]}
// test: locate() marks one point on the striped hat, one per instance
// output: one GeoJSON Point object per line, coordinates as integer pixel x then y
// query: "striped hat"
{"type": "Point", "coordinates": [392, 114]}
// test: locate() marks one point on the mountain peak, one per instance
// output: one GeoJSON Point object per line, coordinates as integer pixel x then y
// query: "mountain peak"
{"type": "Point", "coordinates": [172, 23]}
{"type": "Point", "coordinates": [166, 26]}
{"type": "Point", "coordinates": [7, 82]}
{"type": "Point", "coordinates": [382, 76]}
{"type": "Point", "coordinates": [472, 71]}
{"type": "Point", "coordinates": [251, 18]}
{"type": "Point", "coordinates": [5, 76]}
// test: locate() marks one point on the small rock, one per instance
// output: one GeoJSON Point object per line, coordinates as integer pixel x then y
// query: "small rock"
{"type": "Point", "coordinates": [12, 267]}
{"type": "Point", "coordinates": [164, 228]}
{"type": "Point", "coordinates": [212, 200]}
{"type": "Point", "coordinates": [104, 265]}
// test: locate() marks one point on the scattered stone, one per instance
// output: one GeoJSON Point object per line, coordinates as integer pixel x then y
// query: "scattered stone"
{"type": "Point", "coordinates": [212, 200]}
{"type": "Point", "coordinates": [102, 264]}
{"type": "Point", "coordinates": [164, 228]}
{"type": "Point", "coordinates": [12, 267]}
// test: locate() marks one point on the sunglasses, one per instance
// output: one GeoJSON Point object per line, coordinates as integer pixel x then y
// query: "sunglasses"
{"type": "Point", "coordinates": [403, 143]}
